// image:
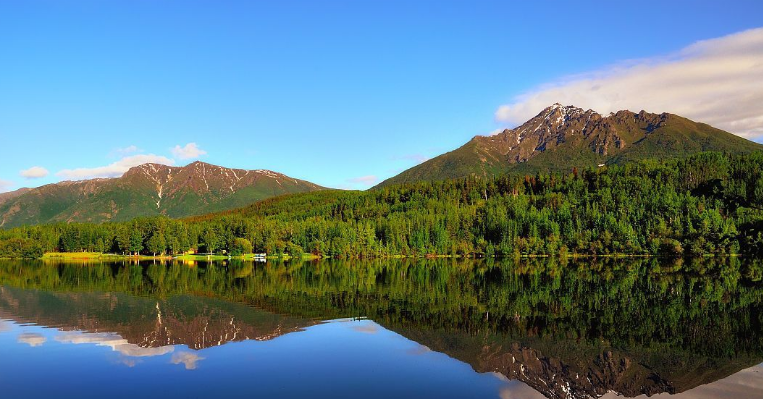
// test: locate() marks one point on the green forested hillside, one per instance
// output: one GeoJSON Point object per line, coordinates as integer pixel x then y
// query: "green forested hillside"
{"type": "Point", "coordinates": [708, 203]}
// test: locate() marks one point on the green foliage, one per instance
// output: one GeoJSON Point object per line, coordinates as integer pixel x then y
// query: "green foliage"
{"type": "Point", "coordinates": [709, 203]}
{"type": "Point", "coordinates": [294, 250]}
{"type": "Point", "coordinates": [241, 246]}
{"type": "Point", "coordinates": [20, 248]}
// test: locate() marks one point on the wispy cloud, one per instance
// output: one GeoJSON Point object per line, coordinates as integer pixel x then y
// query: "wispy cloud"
{"type": "Point", "coordinates": [115, 169]}
{"type": "Point", "coordinates": [367, 180]}
{"type": "Point", "coordinates": [717, 81]}
{"type": "Point", "coordinates": [130, 149]}
{"type": "Point", "coordinates": [35, 172]}
{"type": "Point", "coordinates": [5, 185]}
{"type": "Point", "coordinates": [359, 183]}
{"type": "Point", "coordinates": [189, 151]}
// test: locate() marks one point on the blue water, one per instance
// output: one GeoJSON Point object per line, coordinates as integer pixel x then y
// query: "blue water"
{"type": "Point", "coordinates": [335, 359]}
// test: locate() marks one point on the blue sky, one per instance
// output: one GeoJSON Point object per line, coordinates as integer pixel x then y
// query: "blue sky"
{"type": "Point", "coordinates": [341, 93]}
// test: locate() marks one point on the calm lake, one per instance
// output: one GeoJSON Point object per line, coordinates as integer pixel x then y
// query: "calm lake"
{"type": "Point", "coordinates": [382, 329]}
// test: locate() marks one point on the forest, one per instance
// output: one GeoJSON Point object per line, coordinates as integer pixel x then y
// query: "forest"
{"type": "Point", "coordinates": [706, 204]}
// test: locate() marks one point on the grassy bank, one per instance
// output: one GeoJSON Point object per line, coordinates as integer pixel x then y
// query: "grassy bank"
{"type": "Point", "coordinates": [105, 256]}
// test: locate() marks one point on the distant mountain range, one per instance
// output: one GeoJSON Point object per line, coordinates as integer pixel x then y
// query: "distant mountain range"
{"type": "Point", "coordinates": [561, 137]}
{"type": "Point", "coordinates": [146, 190]}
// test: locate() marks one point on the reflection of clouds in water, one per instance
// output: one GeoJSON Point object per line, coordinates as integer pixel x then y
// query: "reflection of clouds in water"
{"type": "Point", "coordinates": [137, 351]}
{"type": "Point", "coordinates": [129, 362]}
{"type": "Point", "coordinates": [187, 358]}
{"type": "Point", "coordinates": [419, 350]}
{"type": "Point", "coordinates": [5, 325]}
{"type": "Point", "coordinates": [32, 339]}
{"type": "Point", "coordinates": [113, 341]}
{"type": "Point", "coordinates": [516, 389]}
{"type": "Point", "coordinates": [367, 328]}
{"type": "Point", "coordinates": [746, 384]}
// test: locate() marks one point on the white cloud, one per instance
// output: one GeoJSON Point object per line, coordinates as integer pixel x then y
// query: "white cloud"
{"type": "Point", "coordinates": [35, 172]}
{"type": "Point", "coordinates": [115, 169]}
{"type": "Point", "coordinates": [5, 185]}
{"type": "Point", "coordinates": [187, 358]}
{"type": "Point", "coordinates": [190, 151]}
{"type": "Point", "coordinates": [717, 81]}
{"type": "Point", "coordinates": [32, 339]}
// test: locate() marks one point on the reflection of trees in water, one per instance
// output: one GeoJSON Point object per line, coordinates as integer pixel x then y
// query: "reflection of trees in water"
{"type": "Point", "coordinates": [633, 325]}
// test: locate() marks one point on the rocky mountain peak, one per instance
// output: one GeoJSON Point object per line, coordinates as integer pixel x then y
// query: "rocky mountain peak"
{"type": "Point", "coordinates": [559, 110]}
{"type": "Point", "coordinates": [149, 169]}
{"type": "Point", "coordinates": [563, 137]}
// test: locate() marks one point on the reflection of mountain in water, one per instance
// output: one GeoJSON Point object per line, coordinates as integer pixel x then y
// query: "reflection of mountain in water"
{"type": "Point", "coordinates": [576, 330]}
{"type": "Point", "coordinates": [574, 369]}
{"type": "Point", "coordinates": [116, 320]}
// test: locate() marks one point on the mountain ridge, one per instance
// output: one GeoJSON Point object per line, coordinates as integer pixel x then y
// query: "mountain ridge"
{"type": "Point", "coordinates": [147, 190]}
{"type": "Point", "coordinates": [560, 138]}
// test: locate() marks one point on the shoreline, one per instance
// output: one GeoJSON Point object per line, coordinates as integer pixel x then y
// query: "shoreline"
{"type": "Point", "coordinates": [80, 256]}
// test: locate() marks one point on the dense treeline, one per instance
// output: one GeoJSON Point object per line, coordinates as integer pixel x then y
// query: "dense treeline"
{"type": "Point", "coordinates": [709, 203]}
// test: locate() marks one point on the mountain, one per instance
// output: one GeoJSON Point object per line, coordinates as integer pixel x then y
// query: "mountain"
{"type": "Point", "coordinates": [5, 197]}
{"type": "Point", "coordinates": [563, 137]}
{"type": "Point", "coordinates": [146, 190]}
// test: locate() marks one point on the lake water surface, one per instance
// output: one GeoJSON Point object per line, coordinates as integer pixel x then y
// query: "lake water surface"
{"type": "Point", "coordinates": [382, 329]}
